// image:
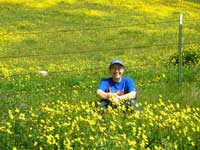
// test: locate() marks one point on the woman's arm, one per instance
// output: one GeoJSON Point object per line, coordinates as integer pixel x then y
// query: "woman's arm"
{"type": "Point", "coordinates": [108, 96]}
{"type": "Point", "coordinates": [128, 96]}
{"type": "Point", "coordinates": [103, 95]}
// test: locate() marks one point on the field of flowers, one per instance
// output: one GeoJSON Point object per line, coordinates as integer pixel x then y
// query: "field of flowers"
{"type": "Point", "coordinates": [61, 125]}
{"type": "Point", "coordinates": [53, 53]}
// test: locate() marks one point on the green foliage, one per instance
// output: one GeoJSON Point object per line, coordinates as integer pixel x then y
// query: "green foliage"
{"type": "Point", "coordinates": [190, 56]}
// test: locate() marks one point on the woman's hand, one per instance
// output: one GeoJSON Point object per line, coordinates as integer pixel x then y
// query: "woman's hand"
{"type": "Point", "coordinates": [115, 99]}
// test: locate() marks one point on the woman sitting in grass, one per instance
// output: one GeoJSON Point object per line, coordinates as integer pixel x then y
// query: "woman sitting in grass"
{"type": "Point", "coordinates": [117, 89]}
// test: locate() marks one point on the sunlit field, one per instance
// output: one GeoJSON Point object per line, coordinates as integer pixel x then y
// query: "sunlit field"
{"type": "Point", "coordinates": [53, 54]}
{"type": "Point", "coordinates": [61, 125]}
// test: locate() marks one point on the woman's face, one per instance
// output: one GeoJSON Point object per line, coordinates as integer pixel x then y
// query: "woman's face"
{"type": "Point", "coordinates": [116, 71]}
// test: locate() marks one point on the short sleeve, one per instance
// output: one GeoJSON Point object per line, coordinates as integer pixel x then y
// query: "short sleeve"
{"type": "Point", "coordinates": [102, 85]}
{"type": "Point", "coordinates": [131, 85]}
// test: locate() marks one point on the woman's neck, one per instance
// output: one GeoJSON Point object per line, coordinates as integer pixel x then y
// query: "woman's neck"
{"type": "Point", "coordinates": [117, 80]}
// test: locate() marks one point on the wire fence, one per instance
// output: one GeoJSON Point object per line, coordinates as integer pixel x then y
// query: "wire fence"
{"type": "Point", "coordinates": [88, 28]}
{"type": "Point", "coordinates": [97, 28]}
{"type": "Point", "coordinates": [99, 50]}
{"type": "Point", "coordinates": [91, 50]}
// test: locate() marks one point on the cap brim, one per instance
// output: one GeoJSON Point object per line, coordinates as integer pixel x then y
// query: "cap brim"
{"type": "Point", "coordinates": [116, 63]}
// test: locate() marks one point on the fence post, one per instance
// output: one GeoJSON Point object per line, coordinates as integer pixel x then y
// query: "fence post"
{"type": "Point", "coordinates": [180, 50]}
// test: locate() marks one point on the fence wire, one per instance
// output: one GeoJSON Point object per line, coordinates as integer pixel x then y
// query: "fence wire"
{"type": "Point", "coordinates": [88, 28]}
{"type": "Point", "coordinates": [96, 28]}
{"type": "Point", "coordinates": [99, 50]}
{"type": "Point", "coordinates": [64, 31]}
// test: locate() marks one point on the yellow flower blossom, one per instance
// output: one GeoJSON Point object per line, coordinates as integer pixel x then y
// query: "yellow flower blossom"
{"type": "Point", "coordinates": [92, 138]}
{"type": "Point", "coordinates": [14, 148]}
{"type": "Point", "coordinates": [132, 143]}
{"type": "Point", "coordinates": [10, 114]}
{"type": "Point", "coordinates": [22, 116]}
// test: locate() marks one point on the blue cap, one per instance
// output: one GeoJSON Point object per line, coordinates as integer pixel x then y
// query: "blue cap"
{"type": "Point", "coordinates": [116, 61]}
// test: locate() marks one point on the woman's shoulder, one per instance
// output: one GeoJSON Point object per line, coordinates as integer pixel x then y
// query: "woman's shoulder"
{"type": "Point", "coordinates": [106, 79]}
{"type": "Point", "coordinates": [127, 79]}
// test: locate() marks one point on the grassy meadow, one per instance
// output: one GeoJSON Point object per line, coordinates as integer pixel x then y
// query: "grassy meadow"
{"type": "Point", "coordinates": [74, 41]}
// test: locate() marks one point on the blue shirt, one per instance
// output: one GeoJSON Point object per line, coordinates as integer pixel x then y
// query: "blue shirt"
{"type": "Point", "coordinates": [125, 86]}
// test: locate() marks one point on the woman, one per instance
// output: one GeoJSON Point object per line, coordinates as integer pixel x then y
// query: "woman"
{"type": "Point", "coordinates": [116, 89]}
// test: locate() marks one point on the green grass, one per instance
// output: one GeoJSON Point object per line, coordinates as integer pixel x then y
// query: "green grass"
{"type": "Point", "coordinates": [74, 40]}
